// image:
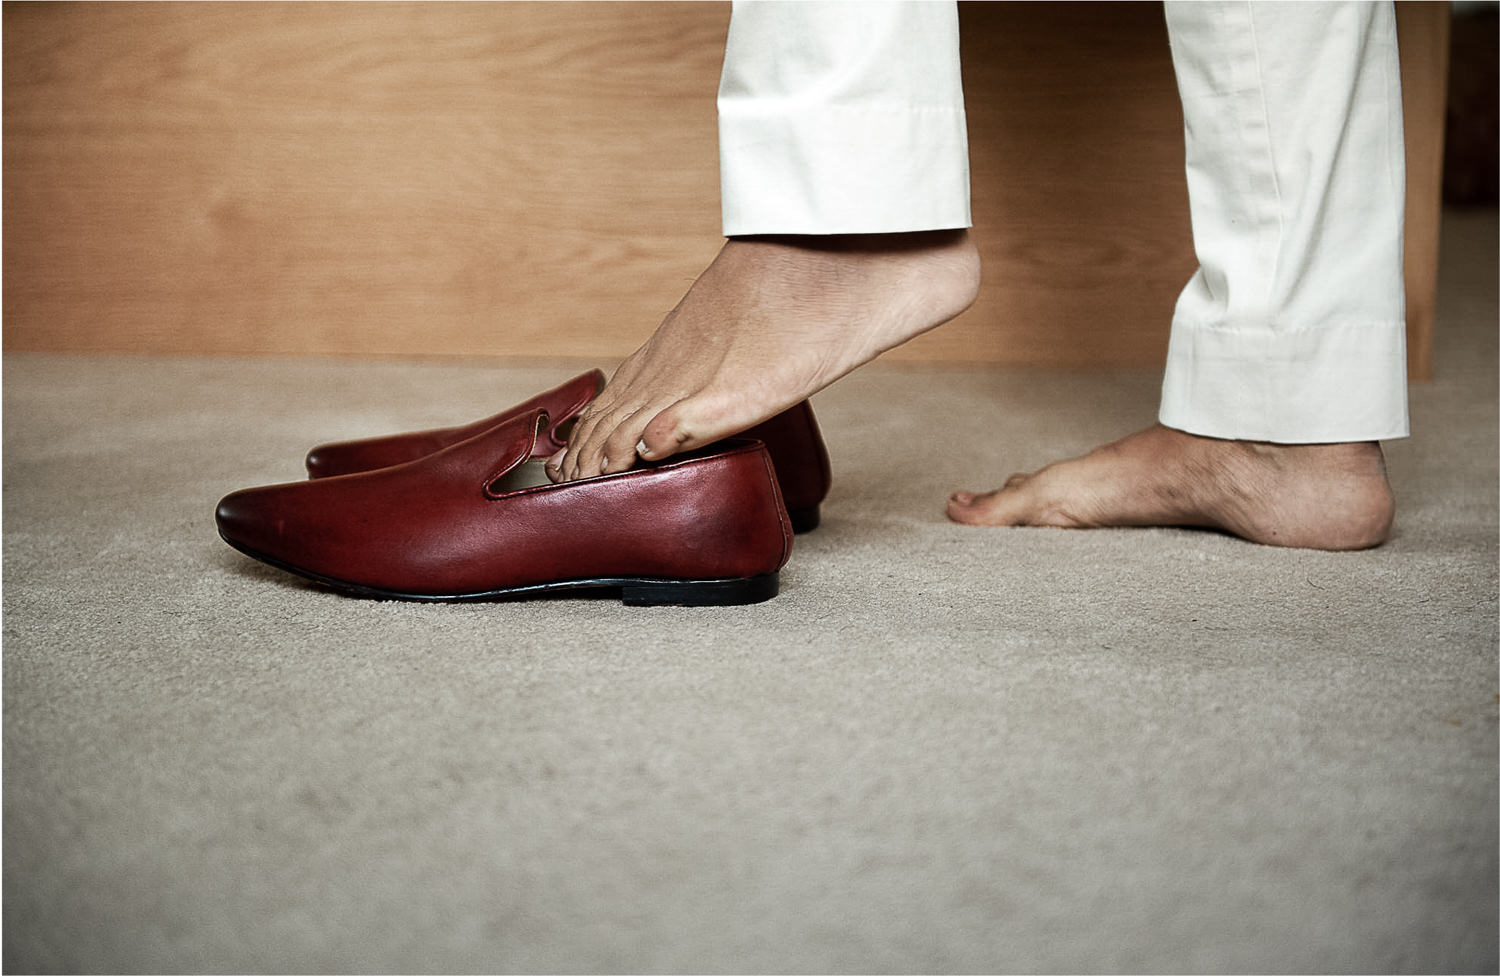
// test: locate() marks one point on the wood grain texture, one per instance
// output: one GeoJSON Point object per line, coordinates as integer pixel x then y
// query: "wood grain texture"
{"type": "Point", "coordinates": [527, 179]}
{"type": "Point", "coordinates": [375, 178]}
{"type": "Point", "coordinates": [1080, 200]}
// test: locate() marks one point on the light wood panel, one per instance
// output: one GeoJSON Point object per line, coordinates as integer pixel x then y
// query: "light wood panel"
{"type": "Point", "coordinates": [1423, 29]}
{"type": "Point", "coordinates": [373, 178]}
{"type": "Point", "coordinates": [1080, 200]}
{"type": "Point", "coordinates": [531, 179]}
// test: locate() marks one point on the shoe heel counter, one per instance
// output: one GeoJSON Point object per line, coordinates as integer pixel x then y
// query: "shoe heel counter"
{"type": "Point", "coordinates": [777, 503]}
{"type": "Point", "coordinates": [798, 454]}
{"type": "Point", "coordinates": [737, 524]}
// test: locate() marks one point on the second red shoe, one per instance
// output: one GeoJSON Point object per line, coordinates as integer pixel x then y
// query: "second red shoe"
{"type": "Point", "coordinates": [791, 437]}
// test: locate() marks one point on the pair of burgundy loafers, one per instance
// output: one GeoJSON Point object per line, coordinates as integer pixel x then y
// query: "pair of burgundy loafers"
{"type": "Point", "coordinates": [465, 513]}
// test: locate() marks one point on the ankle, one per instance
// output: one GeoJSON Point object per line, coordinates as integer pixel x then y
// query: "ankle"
{"type": "Point", "coordinates": [1327, 496]}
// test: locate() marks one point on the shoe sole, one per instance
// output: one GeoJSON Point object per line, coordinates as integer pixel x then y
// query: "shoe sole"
{"type": "Point", "coordinates": [635, 591]}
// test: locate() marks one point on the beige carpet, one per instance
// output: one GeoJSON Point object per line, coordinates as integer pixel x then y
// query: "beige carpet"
{"type": "Point", "coordinates": [940, 749]}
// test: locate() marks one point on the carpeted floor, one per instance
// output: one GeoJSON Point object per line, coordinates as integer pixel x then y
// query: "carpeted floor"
{"type": "Point", "coordinates": [940, 749]}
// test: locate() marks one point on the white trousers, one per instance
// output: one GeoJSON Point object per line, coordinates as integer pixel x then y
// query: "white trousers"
{"type": "Point", "coordinates": [847, 117]}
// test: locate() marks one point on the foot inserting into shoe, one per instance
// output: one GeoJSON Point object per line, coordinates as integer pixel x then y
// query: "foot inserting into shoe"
{"type": "Point", "coordinates": [770, 322]}
{"type": "Point", "coordinates": [1312, 496]}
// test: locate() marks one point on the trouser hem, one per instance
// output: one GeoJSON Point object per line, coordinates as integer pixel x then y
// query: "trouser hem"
{"type": "Point", "coordinates": [1330, 385]}
{"type": "Point", "coordinates": [832, 172]}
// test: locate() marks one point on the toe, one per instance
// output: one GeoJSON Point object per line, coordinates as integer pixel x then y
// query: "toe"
{"type": "Point", "coordinates": [668, 433]}
{"type": "Point", "coordinates": [563, 465]}
{"type": "Point", "coordinates": [619, 451]}
{"type": "Point", "coordinates": [974, 507]}
{"type": "Point", "coordinates": [584, 457]}
{"type": "Point", "coordinates": [1004, 507]}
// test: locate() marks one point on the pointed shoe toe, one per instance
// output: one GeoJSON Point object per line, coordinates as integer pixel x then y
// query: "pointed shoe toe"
{"type": "Point", "coordinates": [479, 520]}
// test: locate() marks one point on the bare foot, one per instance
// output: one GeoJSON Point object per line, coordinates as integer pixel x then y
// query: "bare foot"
{"type": "Point", "coordinates": [770, 322]}
{"type": "Point", "coordinates": [1311, 496]}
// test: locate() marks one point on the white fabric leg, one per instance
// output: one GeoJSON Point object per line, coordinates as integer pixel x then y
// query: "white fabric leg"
{"type": "Point", "coordinates": [1293, 328]}
{"type": "Point", "coordinates": [842, 118]}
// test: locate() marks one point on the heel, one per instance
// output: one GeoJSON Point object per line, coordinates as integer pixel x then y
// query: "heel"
{"type": "Point", "coordinates": [804, 519]}
{"type": "Point", "coordinates": [700, 593]}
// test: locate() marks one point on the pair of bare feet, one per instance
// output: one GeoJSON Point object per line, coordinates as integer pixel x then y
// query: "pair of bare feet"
{"type": "Point", "coordinates": [774, 320]}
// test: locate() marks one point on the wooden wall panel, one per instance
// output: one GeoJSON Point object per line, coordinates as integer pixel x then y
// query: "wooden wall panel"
{"type": "Point", "coordinates": [1424, 29]}
{"type": "Point", "coordinates": [1076, 171]}
{"type": "Point", "coordinates": [525, 179]}
{"type": "Point", "coordinates": [374, 178]}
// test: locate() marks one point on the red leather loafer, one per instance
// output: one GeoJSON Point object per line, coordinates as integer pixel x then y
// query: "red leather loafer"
{"type": "Point", "coordinates": [792, 438]}
{"type": "Point", "coordinates": [479, 519]}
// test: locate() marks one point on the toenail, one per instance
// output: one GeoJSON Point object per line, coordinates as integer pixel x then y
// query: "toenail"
{"type": "Point", "coordinates": [643, 450]}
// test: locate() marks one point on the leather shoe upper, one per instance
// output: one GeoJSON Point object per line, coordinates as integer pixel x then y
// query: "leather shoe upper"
{"type": "Point", "coordinates": [464, 520]}
{"type": "Point", "coordinates": [560, 404]}
{"type": "Point", "coordinates": [791, 437]}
